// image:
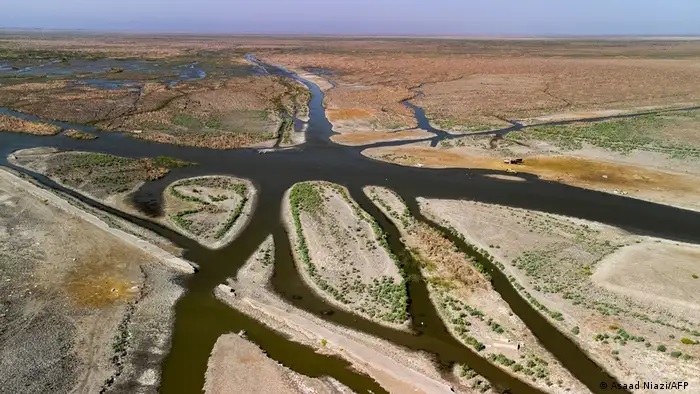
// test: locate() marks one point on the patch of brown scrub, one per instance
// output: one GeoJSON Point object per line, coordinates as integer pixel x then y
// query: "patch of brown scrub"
{"type": "Point", "coordinates": [205, 139]}
{"type": "Point", "coordinates": [12, 124]}
{"type": "Point", "coordinates": [446, 259]}
{"type": "Point", "coordinates": [79, 135]}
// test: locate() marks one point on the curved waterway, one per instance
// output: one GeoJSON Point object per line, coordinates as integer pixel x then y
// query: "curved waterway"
{"type": "Point", "coordinates": [201, 319]}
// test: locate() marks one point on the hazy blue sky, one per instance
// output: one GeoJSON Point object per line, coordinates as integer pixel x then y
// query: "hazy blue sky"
{"type": "Point", "coordinates": [450, 17]}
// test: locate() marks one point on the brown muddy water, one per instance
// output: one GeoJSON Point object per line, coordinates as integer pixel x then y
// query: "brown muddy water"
{"type": "Point", "coordinates": [201, 319]}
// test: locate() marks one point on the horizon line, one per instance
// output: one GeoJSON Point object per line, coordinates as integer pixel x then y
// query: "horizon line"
{"type": "Point", "coordinates": [130, 32]}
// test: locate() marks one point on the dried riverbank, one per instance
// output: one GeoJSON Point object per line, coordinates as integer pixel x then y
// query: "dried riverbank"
{"type": "Point", "coordinates": [210, 209]}
{"type": "Point", "coordinates": [472, 310]}
{"type": "Point", "coordinates": [238, 365]}
{"type": "Point", "coordinates": [570, 270]}
{"type": "Point", "coordinates": [87, 307]}
{"type": "Point", "coordinates": [394, 368]}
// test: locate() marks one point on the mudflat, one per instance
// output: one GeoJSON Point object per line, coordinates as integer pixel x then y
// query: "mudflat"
{"type": "Point", "coordinates": [665, 181]}
{"type": "Point", "coordinates": [210, 209]}
{"type": "Point", "coordinates": [654, 272]}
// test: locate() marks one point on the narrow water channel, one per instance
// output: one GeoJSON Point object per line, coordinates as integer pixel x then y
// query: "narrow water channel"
{"type": "Point", "coordinates": [201, 319]}
{"type": "Point", "coordinates": [565, 350]}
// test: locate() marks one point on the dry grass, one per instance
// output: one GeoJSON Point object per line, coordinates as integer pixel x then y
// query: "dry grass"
{"type": "Point", "coordinates": [58, 100]}
{"type": "Point", "coordinates": [222, 110]}
{"type": "Point", "coordinates": [469, 87]}
{"type": "Point", "coordinates": [472, 310]}
{"type": "Point", "coordinates": [468, 84]}
{"type": "Point", "coordinates": [12, 124]}
{"type": "Point", "coordinates": [95, 174]}
{"type": "Point", "coordinates": [79, 135]}
{"type": "Point", "coordinates": [154, 46]}
{"type": "Point", "coordinates": [448, 260]}
{"type": "Point", "coordinates": [353, 108]}
{"type": "Point", "coordinates": [216, 114]}
{"type": "Point", "coordinates": [438, 255]}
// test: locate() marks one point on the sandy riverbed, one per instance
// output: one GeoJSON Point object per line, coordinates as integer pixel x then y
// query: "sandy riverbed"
{"type": "Point", "coordinates": [358, 138]}
{"type": "Point", "coordinates": [655, 272]}
{"type": "Point", "coordinates": [237, 364]}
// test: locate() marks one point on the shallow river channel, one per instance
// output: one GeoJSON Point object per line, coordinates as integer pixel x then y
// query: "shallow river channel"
{"type": "Point", "coordinates": [201, 318]}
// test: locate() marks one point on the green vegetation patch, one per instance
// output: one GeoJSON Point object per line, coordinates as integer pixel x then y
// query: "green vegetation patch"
{"type": "Point", "coordinates": [454, 125]}
{"type": "Point", "coordinates": [187, 121]}
{"type": "Point", "coordinates": [242, 190]}
{"type": "Point", "coordinates": [79, 135]}
{"type": "Point", "coordinates": [462, 317]}
{"type": "Point", "coordinates": [619, 135]}
{"type": "Point", "coordinates": [384, 291]}
{"type": "Point", "coordinates": [305, 197]}
{"type": "Point", "coordinates": [192, 122]}
{"type": "Point", "coordinates": [286, 130]}
{"type": "Point", "coordinates": [102, 175]}
{"type": "Point", "coordinates": [170, 162]}
{"type": "Point", "coordinates": [181, 218]}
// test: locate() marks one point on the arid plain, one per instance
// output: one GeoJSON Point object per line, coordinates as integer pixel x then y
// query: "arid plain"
{"type": "Point", "coordinates": [300, 210]}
